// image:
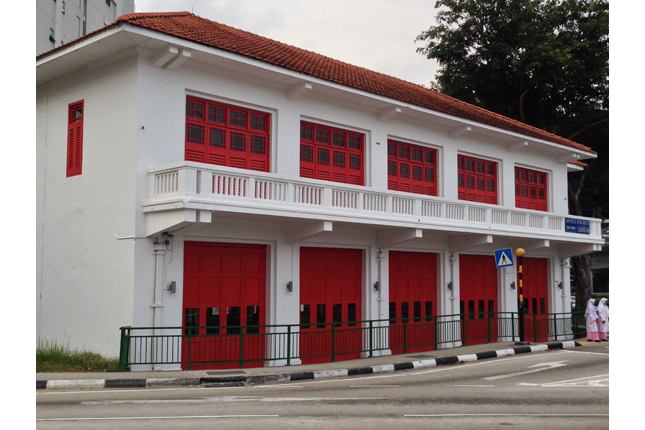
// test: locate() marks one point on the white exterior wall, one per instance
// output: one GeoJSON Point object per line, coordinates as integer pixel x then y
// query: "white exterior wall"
{"type": "Point", "coordinates": [96, 265]}
{"type": "Point", "coordinates": [85, 274]}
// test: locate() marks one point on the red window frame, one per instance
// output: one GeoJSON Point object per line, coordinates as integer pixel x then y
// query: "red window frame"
{"type": "Point", "coordinates": [331, 154]}
{"type": "Point", "coordinates": [227, 135]}
{"type": "Point", "coordinates": [75, 119]}
{"type": "Point", "coordinates": [477, 180]}
{"type": "Point", "coordinates": [411, 168]}
{"type": "Point", "coordinates": [531, 189]}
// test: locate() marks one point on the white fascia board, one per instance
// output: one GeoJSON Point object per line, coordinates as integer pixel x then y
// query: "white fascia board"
{"type": "Point", "coordinates": [75, 46]}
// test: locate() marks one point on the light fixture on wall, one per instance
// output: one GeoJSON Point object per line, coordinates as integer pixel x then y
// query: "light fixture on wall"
{"type": "Point", "coordinates": [512, 285]}
{"type": "Point", "coordinates": [450, 285]}
{"type": "Point", "coordinates": [560, 284]}
{"type": "Point", "coordinates": [172, 287]}
{"type": "Point", "coordinates": [290, 286]}
{"type": "Point", "coordinates": [377, 286]}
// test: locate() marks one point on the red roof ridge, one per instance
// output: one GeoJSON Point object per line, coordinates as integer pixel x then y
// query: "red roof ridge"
{"type": "Point", "coordinates": [139, 15]}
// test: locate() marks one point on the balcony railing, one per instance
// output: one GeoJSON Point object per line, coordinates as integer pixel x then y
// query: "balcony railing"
{"type": "Point", "coordinates": [197, 184]}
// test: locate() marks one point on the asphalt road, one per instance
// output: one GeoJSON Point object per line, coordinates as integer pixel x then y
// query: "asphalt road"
{"type": "Point", "coordinates": [564, 389]}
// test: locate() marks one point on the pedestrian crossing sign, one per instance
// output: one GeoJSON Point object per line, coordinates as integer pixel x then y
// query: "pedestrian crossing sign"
{"type": "Point", "coordinates": [504, 258]}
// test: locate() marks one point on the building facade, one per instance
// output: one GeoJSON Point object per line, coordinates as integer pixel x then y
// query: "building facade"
{"type": "Point", "coordinates": [61, 21]}
{"type": "Point", "coordinates": [193, 174]}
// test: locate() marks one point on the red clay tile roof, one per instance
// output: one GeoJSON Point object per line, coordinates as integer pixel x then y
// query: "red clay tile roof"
{"type": "Point", "coordinates": [203, 31]}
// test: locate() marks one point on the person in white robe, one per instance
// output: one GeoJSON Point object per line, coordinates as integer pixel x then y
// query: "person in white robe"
{"type": "Point", "coordinates": [592, 321]}
{"type": "Point", "coordinates": [603, 319]}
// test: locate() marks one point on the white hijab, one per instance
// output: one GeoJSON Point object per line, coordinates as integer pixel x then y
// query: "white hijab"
{"type": "Point", "coordinates": [591, 309]}
{"type": "Point", "coordinates": [603, 310]}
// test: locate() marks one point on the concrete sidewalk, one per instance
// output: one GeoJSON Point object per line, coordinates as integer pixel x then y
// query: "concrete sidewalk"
{"type": "Point", "coordinates": [268, 375]}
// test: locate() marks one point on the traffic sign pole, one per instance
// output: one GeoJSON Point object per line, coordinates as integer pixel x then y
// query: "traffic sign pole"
{"type": "Point", "coordinates": [519, 252]}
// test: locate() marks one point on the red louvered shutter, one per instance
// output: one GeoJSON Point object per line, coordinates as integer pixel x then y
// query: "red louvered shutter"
{"type": "Point", "coordinates": [75, 139]}
{"type": "Point", "coordinates": [226, 135]}
{"type": "Point", "coordinates": [331, 154]}
{"type": "Point", "coordinates": [411, 168]}
{"type": "Point", "coordinates": [477, 180]}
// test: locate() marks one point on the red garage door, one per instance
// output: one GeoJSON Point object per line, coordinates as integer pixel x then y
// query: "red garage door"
{"type": "Point", "coordinates": [224, 288]}
{"type": "Point", "coordinates": [478, 298]}
{"type": "Point", "coordinates": [330, 293]}
{"type": "Point", "coordinates": [413, 292]}
{"type": "Point", "coordinates": [536, 304]}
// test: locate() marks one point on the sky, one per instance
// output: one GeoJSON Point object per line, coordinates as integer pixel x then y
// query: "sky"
{"type": "Point", "coordinates": [376, 34]}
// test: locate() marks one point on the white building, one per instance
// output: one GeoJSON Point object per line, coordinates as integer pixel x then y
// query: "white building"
{"type": "Point", "coordinates": [61, 21]}
{"type": "Point", "coordinates": [272, 185]}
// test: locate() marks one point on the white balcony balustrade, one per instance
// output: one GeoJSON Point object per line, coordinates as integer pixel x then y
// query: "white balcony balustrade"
{"type": "Point", "coordinates": [189, 185]}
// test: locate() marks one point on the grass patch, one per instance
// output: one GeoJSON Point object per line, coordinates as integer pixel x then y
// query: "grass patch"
{"type": "Point", "coordinates": [58, 358]}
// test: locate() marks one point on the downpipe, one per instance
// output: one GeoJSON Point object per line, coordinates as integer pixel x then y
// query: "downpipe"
{"type": "Point", "coordinates": [159, 252]}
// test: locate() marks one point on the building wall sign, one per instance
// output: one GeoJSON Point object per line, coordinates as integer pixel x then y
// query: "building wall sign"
{"type": "Point", "coordinates": [580, 226]}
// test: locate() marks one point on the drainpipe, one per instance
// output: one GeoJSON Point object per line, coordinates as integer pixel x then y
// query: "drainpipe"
{"type": "Point", "coordinates": [159, 252]}
{"type": "Point", "coordinates": [564, 263]}
{"type": "Point", "coordinates": [379, 259]}
{"type": "Point", "coordinates": [451, 283]}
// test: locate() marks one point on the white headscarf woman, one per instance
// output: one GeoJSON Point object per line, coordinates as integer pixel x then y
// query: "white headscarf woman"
{"type": "Point", "coordinates": [603, 319]}
{"type": "Point", "coordinates": [592, 321]}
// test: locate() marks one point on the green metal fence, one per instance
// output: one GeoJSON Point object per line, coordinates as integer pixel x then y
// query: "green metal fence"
{"type": "Point", "coordinates": [245, 346]}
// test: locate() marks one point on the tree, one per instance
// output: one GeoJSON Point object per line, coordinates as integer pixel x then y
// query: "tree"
{"type": "Point", "coordinates": [542, 62]}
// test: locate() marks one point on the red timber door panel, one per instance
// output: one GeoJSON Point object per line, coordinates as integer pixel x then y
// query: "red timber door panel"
{"type": "Point", "coordinates": [413, 293]}
{"type": "Point", "coordinates": [478, 298]}
{"type": "Point", "coordinates": [536, 303]}
{"type": "Point", "coordinates": [330, 292]}
{"type": "Point", "coordinates": [224, 288]}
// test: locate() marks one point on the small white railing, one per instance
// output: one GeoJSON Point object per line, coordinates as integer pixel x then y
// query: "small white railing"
{"type": "Point", "coordinates": [217, 184]}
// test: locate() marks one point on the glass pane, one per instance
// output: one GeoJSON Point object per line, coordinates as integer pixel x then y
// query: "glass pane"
{"type": "Point", "coordinates": [212, 320]}
{"type": "Point", "coordinates": [417, 311]}
{"type": "Point", "coordinates": [238, 142]}
{"type": "Point", "coordinates": [339, 159]}
{"type": "Point", "coordinates": [392, 311]}
{"type": "Point", "coordinates": [258, 144]}
{"type": "Point", "coordinates": [321, 317]}
{"type": "Point", "coordinates": [306, 153]}
{"type": "Point", "coordinates": [337, 312]}
{"type": "Point", "coordinates": [253, 318]}
{"type": "Point", "coordinates": [404, 170]}
{"type": "Point", "coordinates": [351, 313]}
{"type": "Point", "coordinates": [323, 156]}
{"type": "Point", "coordinates": [428, 311]}
{"type": "Point", "coordinates": [354, 162]}
{"type": "Point", "coordinates": [405, 312]}
{"type": "Point", "coordinates": [305, 316]}
{"type": "Point", "coordinates": [233, 319]}
{"type": "Point", "coordinates": [191, 319]}
{"type": "Point", "coordinates": [195, 133]}
{"type": "Point", "coordinates": [217, 138]}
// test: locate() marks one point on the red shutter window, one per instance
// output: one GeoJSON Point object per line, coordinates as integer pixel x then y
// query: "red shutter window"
{"type": "Point", "coordinates": [225, 135]}
{"type": "Point", "coordinates": [530, 189]}
{"type": "Point", "coordinates": [411, 168]}
{"type": "Point", "coordinates": [331, 154]}
{"type": "Point", "coordinates": [477, 180]}
{"type": "Point", "coordinates": [75, 139]}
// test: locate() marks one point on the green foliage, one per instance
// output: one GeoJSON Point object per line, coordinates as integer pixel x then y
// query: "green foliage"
{"type": "Point", "coordinates": [51, 357]}
{"type": "Point", "coordinates": [542, 62]}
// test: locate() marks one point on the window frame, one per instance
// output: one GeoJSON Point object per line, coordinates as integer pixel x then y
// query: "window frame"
{"type": "Point", "coordinates": [414, 158]}
{"type": "Point", "coordinates": [477, 179]}
{"type": "Point", "coordinates": [530, 180]}
{"type": "Point", "coordinates": [75, 126]}
{"type": "Point", "coordinates": [343, 150]}
{"type": "Point", "coordinates": [244, 140]}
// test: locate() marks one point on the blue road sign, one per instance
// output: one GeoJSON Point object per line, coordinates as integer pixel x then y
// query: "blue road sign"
{"type": "Point", "coordinates": [504, 258]}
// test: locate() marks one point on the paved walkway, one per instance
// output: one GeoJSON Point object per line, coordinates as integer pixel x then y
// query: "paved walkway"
{"type": "Point", "coordinates": [267, 375]}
